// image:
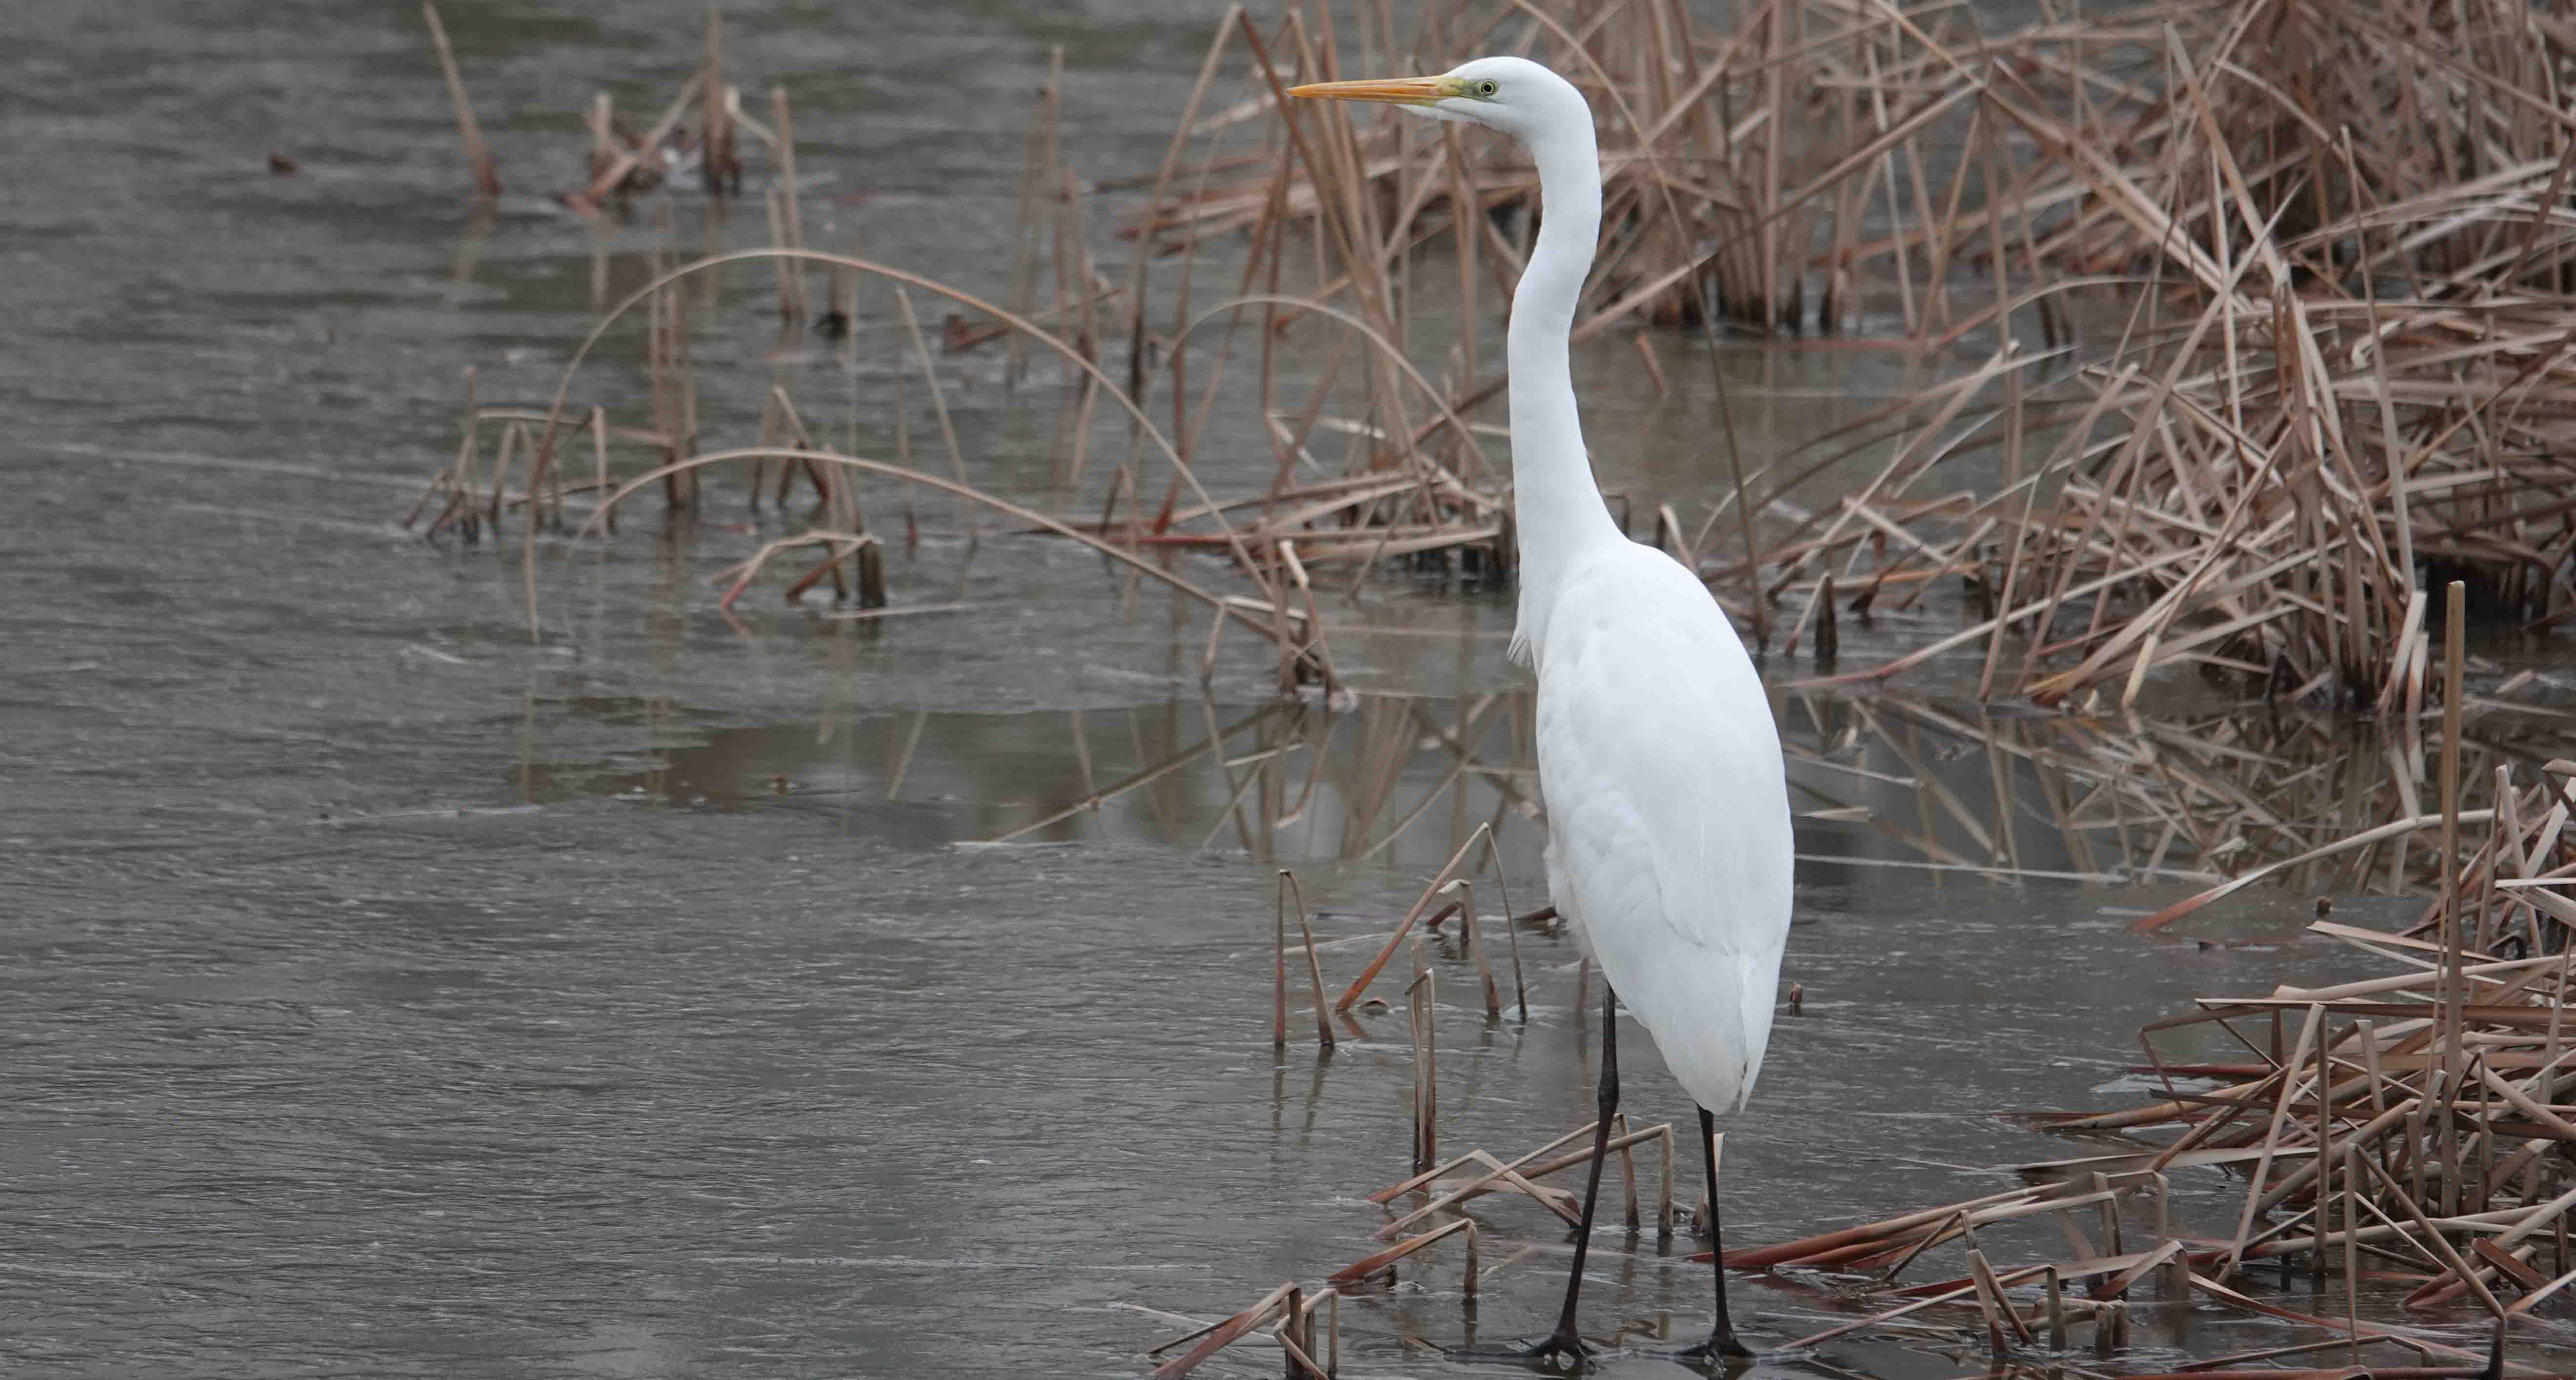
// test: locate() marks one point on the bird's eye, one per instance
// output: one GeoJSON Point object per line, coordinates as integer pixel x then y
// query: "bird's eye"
{"type": "Point", "coordinates": [1486, 89]}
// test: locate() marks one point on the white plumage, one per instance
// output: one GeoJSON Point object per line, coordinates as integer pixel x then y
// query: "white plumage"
{"type": "Point", "coordinates": [1668, 823]}
{"type": "Point", "coordinates": [1668, 813]}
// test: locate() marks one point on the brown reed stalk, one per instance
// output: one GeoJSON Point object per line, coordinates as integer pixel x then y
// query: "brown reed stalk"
{"type": "Point", "coordinates": [1215, 1337]}
{"type": "Point", "coordinates": [1221, 607]}
{"type": "Point", "coordinates": [1314, 965]}
{"type": "Point", "coordinates": [2296, 448]}
{"type": "Point", "coordinates": [1475, 940]}
{"type": "Point", "coordinates": [719, 154]}
{"type": "Point", "coordinates": [1419, 1007]}
{"type": "Point", "coordinates": [478, 155]}
{"type": "Point", "coordinates": [1279, 965]}
{"type": "Point", "coordinates": [1383, 1262]}
{"type": "Point", "coordinates": [792, 298]}
{"type": "Point", "coordinates": [1404, 926]}
{"type": "Point", "coordinates": [2350, 1113]}
{"type": "Point", "coordinates": [531, 521]}
{"type": "Point", "coordinates": [629, 159]}
{"type": "Point", "coordinates": [501, 479]}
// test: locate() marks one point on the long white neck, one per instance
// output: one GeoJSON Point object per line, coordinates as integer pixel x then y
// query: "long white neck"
{"type": "Point", "coordinates": [1556, 505]}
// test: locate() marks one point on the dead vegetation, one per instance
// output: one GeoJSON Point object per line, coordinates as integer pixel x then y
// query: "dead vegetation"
{"type": "Point", "coordinates": [512, 459]}
{"type": "Point", "coordinates": [2341, 234]}
{"type": "Point", "coordinates": [1424, 1208]}
{"type": "Point", "coordinates": [2407, 1129]}
{"type": "Point", "coordinates": [2340, 237]}
{"type": "Point", "coordinates": [2346, 372]}
{"type": "Point", "coordinates": [2398, 1130]}
{"type": "Point", "coordinates": [2410, 1129]}
{"type": "Point", "coordinates": [2404, 1130]}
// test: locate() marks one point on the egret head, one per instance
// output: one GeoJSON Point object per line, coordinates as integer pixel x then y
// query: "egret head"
{"type": "Point", "coordinates": [1514, 95]}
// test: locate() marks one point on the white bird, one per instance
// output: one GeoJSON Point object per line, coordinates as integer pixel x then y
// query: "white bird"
{"type": "Point", "coordinates": [1667, 806]}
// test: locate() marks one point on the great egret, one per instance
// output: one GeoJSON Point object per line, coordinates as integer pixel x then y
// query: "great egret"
{"type": "Point", "coordinates": [1668, 812]}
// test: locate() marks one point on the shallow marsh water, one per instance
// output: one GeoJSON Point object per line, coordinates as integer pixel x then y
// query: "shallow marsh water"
{"type": "Point", "coordinates": [382, 994]}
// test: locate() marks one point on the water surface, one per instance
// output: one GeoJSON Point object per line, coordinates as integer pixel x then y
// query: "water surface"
{"type": "Point", "coordinates": [387, 993]}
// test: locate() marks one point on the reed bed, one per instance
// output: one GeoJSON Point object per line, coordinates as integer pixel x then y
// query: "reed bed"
{"type": "Point", "coordinates": [2299, 803]}
{"type": "Point", "coordinates": [2405, 1129]}
{"type": "Point", "coordinates": [513, 459]}
{"type": "Point", "coordinates": [1798, 144]}
{"type": "Point", "coordinates": [1741, 162]}
{"type": "Point", "coordinates": [2398, 1132]}
{"type": "Point", "coordinates": [2406, 1123]}
{"type": "Point", "coordinates": [2341, 236]}
{"type": "Point", "coordinates": [2452, 805]}
{"type": "Point", "coordinates": [2433, 1097]}
{"type": "Point", "coordinates": [2345, 378]}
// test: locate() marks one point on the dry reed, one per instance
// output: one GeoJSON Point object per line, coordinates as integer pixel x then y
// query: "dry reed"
{"type": "Point", "coordinates": [2342, 232]}
{"type": "Point", "coordinates": [478, 154]}
{"type": "Point", "coordinates": [2346, 377]}
{"type": "Point", "coordinates": [2317, 312]}
{"type": "Point", "coordinates": [2412, 1125]}
{"type": "Point", "coordinates": [2413, 1119]}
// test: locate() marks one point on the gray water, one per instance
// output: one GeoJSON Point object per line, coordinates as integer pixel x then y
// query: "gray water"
{"type": "Point", "coordinates": [384, 994]}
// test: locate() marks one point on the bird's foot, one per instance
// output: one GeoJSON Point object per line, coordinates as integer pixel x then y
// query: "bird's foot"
{"type": "Point", "coordinates": [1721, 1348]}
{"type": "Point", "coordinates": [1565, 1352]}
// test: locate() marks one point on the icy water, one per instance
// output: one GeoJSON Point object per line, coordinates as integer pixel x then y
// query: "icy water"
{"type": "Point", "coordinates": [686, 994]}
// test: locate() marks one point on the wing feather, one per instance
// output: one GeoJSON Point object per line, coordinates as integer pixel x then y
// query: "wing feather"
{"type": "Point", "coordinates": [1668, 812]}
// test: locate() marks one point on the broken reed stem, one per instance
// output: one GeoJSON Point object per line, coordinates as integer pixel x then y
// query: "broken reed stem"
{"type": "Point", "coordinates": [1218, 1336]}
{"type": "Point", "coordinates": [1360, 984]}
{"type": "Point", "coordinates": [1499, 1172]}
{"type": "Point", "coordinates": [1383, 1262]}
{"type": "Point", "coordinates": [1279, 966]}
{"type": "Point", "coordinates": [719, 159]}
{"type": "Point", "coordinates": [531, 520]}
{"type": "Point", "coordinates": [791, 303]}
{"type": "Point", "coordinates": [1511, 924]}
{"type": "Point", "coordinates": [478, 155]}
{"type": "Point", "coordinates": [938, 404]}
{"type": "Point", "coordinates": [1314, 964]}
{"type": "Point", "coordinates": [1475, 940]}
{"type": "Point", "coordinates": [1419, 1002]}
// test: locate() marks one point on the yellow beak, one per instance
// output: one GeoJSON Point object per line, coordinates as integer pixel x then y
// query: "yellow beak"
{"type": "Point", "coordinates": [1390, 91]}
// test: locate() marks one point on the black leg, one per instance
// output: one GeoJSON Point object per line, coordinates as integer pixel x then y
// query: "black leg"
{"type": "Point", "coordinates": [1721, 1343]}
{"type": "Point", "coordinates": [1565, 1343]}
